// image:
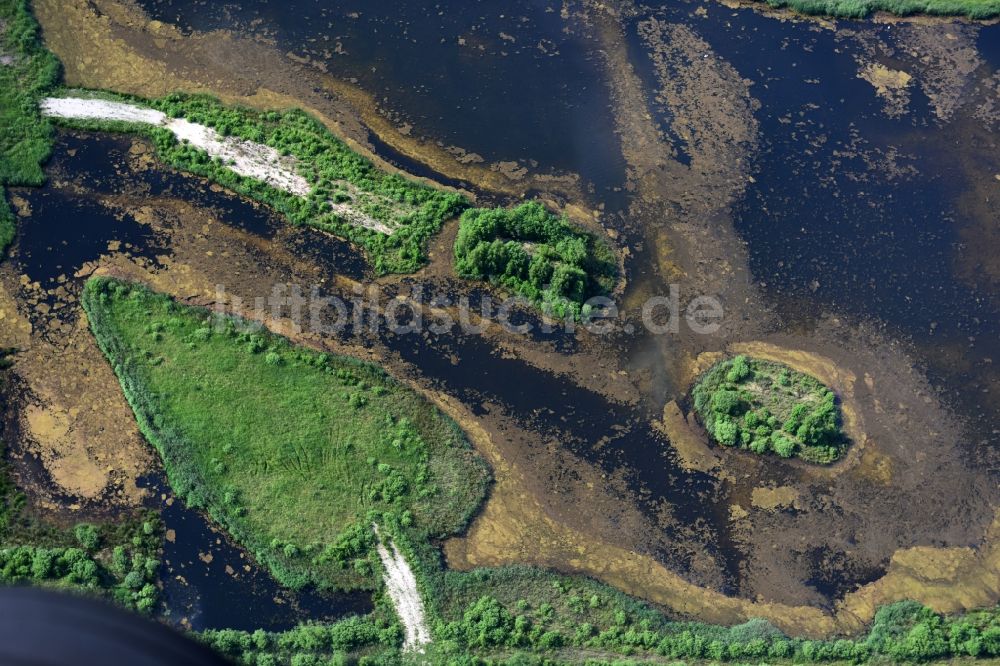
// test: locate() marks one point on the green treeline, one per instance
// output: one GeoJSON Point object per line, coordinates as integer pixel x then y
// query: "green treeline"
{"type": "Point", "coordinates": [490, 632]}
{"type": "Point", "coordinates": [974, 9]}
{"type": "Point", "coordinates": [27, 73]}
{"type": "Point", "coordinates": [537, 255]}
{"type": "Point", "coordinates": [294, 452]}
{"type": "Point", "coordinates": [901, 632]}
{"type": "Point", "coordinates": [768, 407]}
{"type": "Point", "coordinates": [363, 640]}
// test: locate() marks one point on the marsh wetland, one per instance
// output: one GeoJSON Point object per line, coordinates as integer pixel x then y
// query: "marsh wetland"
{"type": "Point", "coordinates": [833, 184]}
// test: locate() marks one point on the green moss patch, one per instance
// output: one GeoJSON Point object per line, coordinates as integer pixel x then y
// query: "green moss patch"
{"type": "Point", "coordinates": [768, 407]}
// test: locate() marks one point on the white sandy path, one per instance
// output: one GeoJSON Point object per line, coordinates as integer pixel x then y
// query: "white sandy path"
{"type": "Point", "coordinates": [402, 587]}
{"type": "Point", "coordinates": [247, 158]}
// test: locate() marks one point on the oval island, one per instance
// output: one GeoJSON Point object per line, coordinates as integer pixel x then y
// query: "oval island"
{"type": "Point", "coordinates": [768, 407]}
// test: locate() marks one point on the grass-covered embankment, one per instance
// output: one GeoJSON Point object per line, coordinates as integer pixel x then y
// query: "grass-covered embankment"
{"type": "Point", "coordinates": [768, 407]}
{"type": "Point", "coordinates": [974, 9]}
{"type": "Point", "coordinates": [27, 73]}
{"type": "Point", "coordinates": [294, 452]}
{"type": "Point", "coordinates": [537, 255]}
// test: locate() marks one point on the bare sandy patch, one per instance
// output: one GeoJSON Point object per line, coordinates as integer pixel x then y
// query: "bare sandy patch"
{"type": "Point", "coordinates": [402, 587]}
{"type": "Point", "coordinates": [771, 499]}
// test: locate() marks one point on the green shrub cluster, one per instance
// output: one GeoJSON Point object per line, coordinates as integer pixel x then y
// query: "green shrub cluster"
{"type": "Point", "coordinates": [7, 224]}
{"type": "Point", "coordinates": [37, 564]}
{"type": "Point", "coordinates": [295, 453]}
{"type": "Point", "coordinates": [127, 576]}
{"type": "Point", "coordinates": [974, 9]}
{"type": "Point", "coordinates": [537, 255]}
{"type": "Point", "coordinates": [768, 407]}
{"type": "Point", "coordinates": [119, 561]}
{"type": "Point", "coordinates": [354, 640]}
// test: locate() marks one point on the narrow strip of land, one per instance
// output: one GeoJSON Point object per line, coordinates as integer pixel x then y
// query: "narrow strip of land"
{"type": "Point", "coordinates": [246, 158]}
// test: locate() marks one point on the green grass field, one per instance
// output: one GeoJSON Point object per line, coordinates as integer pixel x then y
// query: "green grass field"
{"type": "Point", "coordinates": [974, 9]}
{"type": "Point", "coordinates": [294, 452]}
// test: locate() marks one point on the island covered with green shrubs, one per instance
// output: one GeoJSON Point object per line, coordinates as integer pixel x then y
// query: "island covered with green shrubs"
{"type": "Point", "coordinates": [537, 255]}
{"type": "Point", "coordinates": [767, 407]}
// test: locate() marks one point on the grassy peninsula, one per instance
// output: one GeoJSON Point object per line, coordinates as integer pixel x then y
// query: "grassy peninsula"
{"type": "Point", "coordinates": [768, 407]}
{"type": "Point", "coordinates": [294, 452]}
{"type": "Point", "coordinates": [537, 255]}
{"type": "Point", "coordinates": [27, 73]}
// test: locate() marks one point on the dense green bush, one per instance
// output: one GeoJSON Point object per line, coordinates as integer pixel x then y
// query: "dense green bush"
{"type": "Point", "coordinates": [7, 224]}
{"type": "Point", "coordinates": [341, 642]}
{"type": "Point", "coordinates": [768, 407]}
{"type": "Point", "coordinates": [537, 255]}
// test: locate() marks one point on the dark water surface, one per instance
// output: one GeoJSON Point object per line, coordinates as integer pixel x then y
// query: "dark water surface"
{"type": "Point", "coordinates": [503, 80]}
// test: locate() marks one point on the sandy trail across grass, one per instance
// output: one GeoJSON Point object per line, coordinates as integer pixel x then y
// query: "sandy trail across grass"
{"type": "Point", "coordinates": [246, 158]}
{"type": "Point", "coordinates": [402, 587]}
